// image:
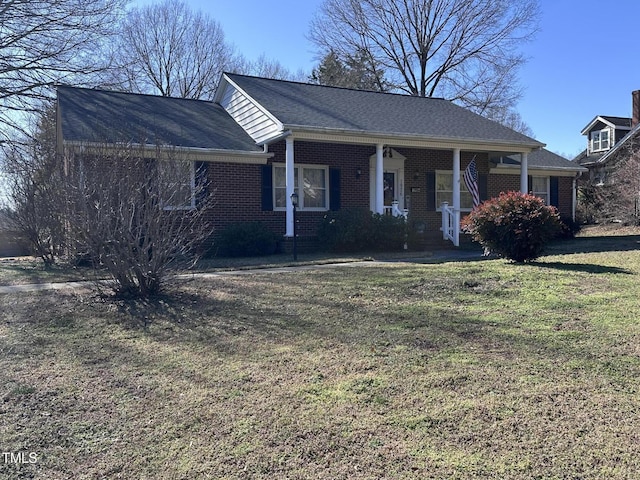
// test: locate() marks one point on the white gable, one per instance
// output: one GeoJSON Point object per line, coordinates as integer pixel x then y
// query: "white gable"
{"type": "Point", "coordinates": [254, 119]}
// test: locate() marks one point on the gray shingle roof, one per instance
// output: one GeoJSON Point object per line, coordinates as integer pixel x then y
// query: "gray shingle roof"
{"type": "Point", "coordinates": [89, 115]}
{"type": "Point", "coordinates": [543, 158]}
{"type": "Point", "coordinates": [321, 107]}
{"type": "Point", "coordinates": [618, 121]}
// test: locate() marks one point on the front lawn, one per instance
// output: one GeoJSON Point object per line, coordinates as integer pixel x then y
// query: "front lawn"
{"type": "Point", "coordinates": [477, 369]}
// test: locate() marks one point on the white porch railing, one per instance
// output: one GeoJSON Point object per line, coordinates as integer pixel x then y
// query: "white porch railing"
{"type": "Point", "coordinates": [395, 211]}
{"type": "Point", "coordinates": [450, 224]}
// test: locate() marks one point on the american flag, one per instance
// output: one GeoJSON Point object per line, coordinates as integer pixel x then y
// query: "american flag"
{"type": "Point", "coordinates": [471, 181]}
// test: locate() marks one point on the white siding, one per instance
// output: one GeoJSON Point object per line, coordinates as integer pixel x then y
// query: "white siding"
{"type": "Point", "coordinates": [249, 115]}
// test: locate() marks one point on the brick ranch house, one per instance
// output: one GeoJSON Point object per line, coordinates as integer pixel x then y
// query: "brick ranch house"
{"type": "Point", "coordinates": [260, 140]}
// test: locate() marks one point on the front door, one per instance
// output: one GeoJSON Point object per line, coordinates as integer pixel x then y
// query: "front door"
{"type": "Point", "coordinates": [392, 179]}
{"type": "Point", "coordinates": [389, 188]}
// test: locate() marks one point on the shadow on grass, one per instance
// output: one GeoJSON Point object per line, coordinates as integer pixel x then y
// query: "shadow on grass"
{"type": "Point", "coordinates": [622, 243]}
{"type": "Point", "coordinates": [581, 267]}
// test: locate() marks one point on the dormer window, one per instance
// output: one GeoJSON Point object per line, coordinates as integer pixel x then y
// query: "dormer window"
{"type": "Point", "coordinates": [599, 140]}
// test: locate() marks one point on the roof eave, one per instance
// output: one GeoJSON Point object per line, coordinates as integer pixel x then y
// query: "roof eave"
{"type": "Point", "coordinates": [190, 153]}
{"type": "Point", "coordinates": [509, 166]}
{"type": "Point", "coordinates": [371, 137]}
{"type": "Point", "coordinates": [599, 118]}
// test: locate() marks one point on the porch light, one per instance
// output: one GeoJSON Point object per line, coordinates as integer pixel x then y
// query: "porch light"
{"type": "Point", "coordinates": [294, 199]}
{"type": "Point", "coordinates": [358, 172]}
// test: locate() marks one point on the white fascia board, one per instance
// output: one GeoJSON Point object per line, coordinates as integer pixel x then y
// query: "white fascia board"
{"type": "Point", "coordinates": [188, 153]}
{"type": "Point", "coordinates": [220, 92]}
{"type": "Point", "coordinates": [597, 119]}
{"type": "Point", "coordinates": [509, 169]}
{"type": "Point", "coordinates": [400, 140]}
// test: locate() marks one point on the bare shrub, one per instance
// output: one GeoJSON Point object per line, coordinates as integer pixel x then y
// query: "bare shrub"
{"type": "Point", "coordinates": [137, 213]}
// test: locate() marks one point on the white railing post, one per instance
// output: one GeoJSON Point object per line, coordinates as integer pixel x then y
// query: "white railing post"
{"type": "Point", "coordinates": [456, 227]}
{"type": "Point", "coordinates": [450, 224]}
{"type": "Point", "coordinates": [445, 220]}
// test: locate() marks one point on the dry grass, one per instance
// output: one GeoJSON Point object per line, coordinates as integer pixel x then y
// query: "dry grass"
{"type": "Point", "coordinates": [479, 369]}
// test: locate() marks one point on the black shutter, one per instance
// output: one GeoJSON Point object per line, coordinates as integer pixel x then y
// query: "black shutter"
{"type": "Point", "coordinates": [431, 191]}
{"type": "Point", "coordinates": [267, 187]}
{"type": "Point", "coordinates": [202, 181]}
{"type": "Point", "coordinates": [482, 186]}
{"type": "Point", "coordinates": [529, 184]}
{"type": "Point", "coordinates": [334, 189]}
{"type": "Point", "coordinates": [553, 191]}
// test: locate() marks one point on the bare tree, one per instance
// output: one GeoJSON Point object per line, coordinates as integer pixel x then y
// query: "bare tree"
{"type": "Point", "coordinates": [462, 50]}
{"type": "Point", "coordinates": [620, 192]}
{"type": "Point", "coordinates": [137, 213]}
{"type": "Point", "coordinates": [34, 177]}
{"type": "Point", "coordinates": [267, 68]}
{"type": "Point", "coordinates": [47, 41]}
{"type": "Point", "coordinates": [168, 49]}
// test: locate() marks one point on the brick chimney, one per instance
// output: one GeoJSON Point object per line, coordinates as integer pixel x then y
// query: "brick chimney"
{"type": "Point", "coordinates": [635, 112]}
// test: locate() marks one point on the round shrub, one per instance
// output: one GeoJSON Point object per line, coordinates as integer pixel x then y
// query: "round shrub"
{"type": "Point", "coordinates": [516, 226]}
{"type": "Point", "coordinates": [248, 239]}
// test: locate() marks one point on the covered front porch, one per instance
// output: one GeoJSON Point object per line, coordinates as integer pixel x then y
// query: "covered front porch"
{"type": "Point", "coordinates": [401, 181]}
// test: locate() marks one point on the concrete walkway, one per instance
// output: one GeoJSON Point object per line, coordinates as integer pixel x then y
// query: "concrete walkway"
{"type": "Point", "coordinates": [439, 256]}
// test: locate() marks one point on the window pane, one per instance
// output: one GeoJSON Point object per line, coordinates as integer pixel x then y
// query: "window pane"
{"type": "Point", "coordinates": [176, 181]}
{"type": "Point", "coordinates": [444, 182]}
{"type": "Point", "coordinates": [539, 188]}
{"type": "Point", "coordinates": [279, 177]}
{"type": "Point", "coordinates": [281, 197]}
{"type": "Point", "coordinates": [314, 181]}
{"type": "Point", "coordinates": [444, 191]}
{"type": "Point", "coordinates": [539, 184]}
{"type": "Point", "coordinates": [466, 200]}
{"type": "Point", "coordinates": [444, 197]}
{"type": "Point", "coordinates": [280, 185]}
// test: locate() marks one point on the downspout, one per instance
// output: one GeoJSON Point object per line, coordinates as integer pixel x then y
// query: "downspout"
{"type": "Point", "coordinates": [574, 196]}
{"type": "Point", "coordinates": [524, 173]}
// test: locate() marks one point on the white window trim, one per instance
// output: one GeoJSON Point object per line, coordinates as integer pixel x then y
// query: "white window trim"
{"type": "Point", "coordinates": [463, 188]}
{"type": "Point", "coordinates": [547, 185]}
{"type": "Point", "coordinates": [192, 185]}
{"type": "Point", "coordinates": [598, 134]}
{"type": "Point", "coordinates": [301, 207]}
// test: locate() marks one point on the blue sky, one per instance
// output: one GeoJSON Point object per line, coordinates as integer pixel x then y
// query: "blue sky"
{"type": "Point", "coordinates": [581, 63]}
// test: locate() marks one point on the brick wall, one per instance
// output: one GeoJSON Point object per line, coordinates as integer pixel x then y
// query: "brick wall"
{"type": "Point", "coordinates": [506, 183]}
{"type": "Point", "coordinates": [238, 188]}
{"type": "Point", "coordinates": [418, 163]}
{"type": "Point", "coordinates": [565, 196]}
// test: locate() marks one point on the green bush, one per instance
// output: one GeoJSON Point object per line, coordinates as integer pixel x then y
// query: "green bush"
{"type": "Point", "coordinates": [357, 230]}
{"type": "Point", "coordinates": [568, 228]}
{"type": "Point", "coordinates": [516, 226]}
{"type": "Point", "coordinates": [247, 240]}
{"type": "Point", "coordinates": [388, 233]}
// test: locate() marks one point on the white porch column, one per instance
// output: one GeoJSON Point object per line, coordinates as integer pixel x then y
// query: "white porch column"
{"type": "Point", "coordinates": [379, 179]}
{"type": "Point", "coordinates": [289, 168]}
{"type": "Point", "coordinates": [524, 173]}
{"type": "Point", "coordinates": [456, 196]}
